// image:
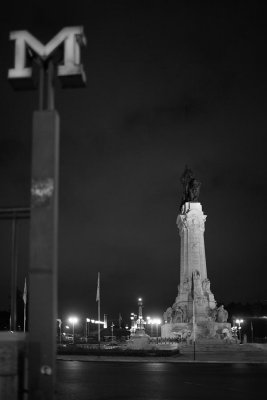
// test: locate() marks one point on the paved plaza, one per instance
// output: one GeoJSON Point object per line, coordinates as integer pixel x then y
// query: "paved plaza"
{"type": "Point", "coordinates": [102, 380]}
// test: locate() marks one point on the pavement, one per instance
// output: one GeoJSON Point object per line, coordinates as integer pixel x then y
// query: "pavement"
{"type": "Point", "coordinates": [78, 380]}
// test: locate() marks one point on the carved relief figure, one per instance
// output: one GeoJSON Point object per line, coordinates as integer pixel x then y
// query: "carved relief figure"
{"type": "Point", "coordinates": [186, 285]}
{"type": "Point", "coordinates": [178, 315]}
{"type": "Point", "coordinates": [206, 285]}
{"type": "Point", "coordinates": [197, 283]}
{"type": "Point", "coordinates": [222, 314]}
{"type": "Point", "coordinates": [213, 314]}
{"type": "Point", "coordinates": [167, 316]}
{"type": "Point", "coordinates": [185, 313]}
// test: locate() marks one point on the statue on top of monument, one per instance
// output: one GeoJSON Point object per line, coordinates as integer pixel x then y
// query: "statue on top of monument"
{"type": "Point", "coordinates": [191, 186]}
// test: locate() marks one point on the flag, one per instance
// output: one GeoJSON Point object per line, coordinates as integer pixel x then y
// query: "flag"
{"type": "Point", "coordinates": [25, 292]}
{"type": "Point", "coordinates": [98, 288]}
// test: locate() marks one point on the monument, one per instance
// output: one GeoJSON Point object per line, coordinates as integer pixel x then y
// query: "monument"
{"type": "Point", "coordinates": [195, 300]}
{"type": "Point", "coordinates": [139, 339]}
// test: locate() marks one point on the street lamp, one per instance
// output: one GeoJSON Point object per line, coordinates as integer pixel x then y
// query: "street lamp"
{"type": "Point", "coordinates": [239, 322]}
{"type": "Point", "coordinates": [73, 321]}
{"type": "Point", "coordinates": [112, 326]}
{"type": "Point", "coordinates": [154, 321]}
{"type": "Point", "coordinates": [87, 328]}
{"type": "Point", "coordinates": [133, 322]}
{"type": "Point", "coordinates": [140, 313]}
{"type": "Point", "coordinates": [157, 322]}
{"type": "Point", "coordinates": [149, 322]}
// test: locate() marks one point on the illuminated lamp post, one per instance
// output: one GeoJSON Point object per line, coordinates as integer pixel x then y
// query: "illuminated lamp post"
{"type": "Point", "coordinates": [87, 328]}
{"type": "Point", "coordinates": [73, 321]}
{"type": "Point", "coordinates": [133, 324]}
{"type": "Point", "coordinates": [61, 57]}
{"type": "Point", "coordinates": [157, 321]}
{"type": "Point", "coordinates": [149, 323]}
{"type": "Point", "coordinates": [140, 313]}
{"type": "Point", "coordinates": [239, 322]}
{"type": "Point", "coordinates": [112, 326]}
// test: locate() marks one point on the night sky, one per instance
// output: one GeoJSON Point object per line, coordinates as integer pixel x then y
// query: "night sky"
{"type": "Point", "coordinates": [168, 84]}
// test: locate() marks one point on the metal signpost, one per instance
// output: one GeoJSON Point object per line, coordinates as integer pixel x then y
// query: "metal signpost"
{"type": "Point", "coordinates": [50, 62]}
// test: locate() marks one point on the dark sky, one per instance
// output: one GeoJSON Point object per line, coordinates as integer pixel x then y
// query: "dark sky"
{"type": "Point", "coordinates": [169, 84]}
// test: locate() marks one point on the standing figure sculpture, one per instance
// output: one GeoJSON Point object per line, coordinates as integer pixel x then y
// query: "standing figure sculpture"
{"type": "Point", "coordinates": [191, 187]}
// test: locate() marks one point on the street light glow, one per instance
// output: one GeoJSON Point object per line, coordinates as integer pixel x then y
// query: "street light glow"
{"type": "Point", "coordinates": [239, 322]}
{"type": "Point", "coordinates": [154, 321]}
{"type": "Point", "coordinates": [73, 320]}
{"type": "Point", "coordinates": [88, 320]}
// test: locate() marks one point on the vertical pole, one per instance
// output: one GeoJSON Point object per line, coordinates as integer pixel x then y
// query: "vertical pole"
{"type": "Point", "coordinates": [193, 313]}
{"type": "Point", "coordinates": [13, 311]}
{"type": "Point", "coordinates": [24, 318]}
{"type": "Point", "coordinates": [41, 87]}
{"type": "Point", "coordinates": [194, 332]}
{"type": "Point", "coordinates": [43, 256]}
{"type": "Point", "coordinates": [99, 323]}
{"type": "Point", "coordinates": [112, 325]}
{"type": "Point", "coordinates": [50, 86]}
{"type": "Point", "coordinates": [99, 309]}
{"type": "Point", "coordinates": [73, 332]}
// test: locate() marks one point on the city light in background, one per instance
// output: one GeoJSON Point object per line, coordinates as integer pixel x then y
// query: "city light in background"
{"type": "Point", "coordinates": [73, 321]}
{"type": "Point", "coordinates": [239, 322]}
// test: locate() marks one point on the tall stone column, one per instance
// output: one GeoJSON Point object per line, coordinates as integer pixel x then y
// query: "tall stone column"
{"type": "Point", "coordinates": [191, 225]}
{"type": "Point", "coordinates": [194, 296]}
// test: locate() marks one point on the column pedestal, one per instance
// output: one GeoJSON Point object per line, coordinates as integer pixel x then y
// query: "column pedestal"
{"type": "Point", "coordinates": [194, 283]}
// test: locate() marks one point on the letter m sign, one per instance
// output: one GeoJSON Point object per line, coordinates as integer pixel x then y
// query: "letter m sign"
{"type": "Point", "coordinates": [69, 70]}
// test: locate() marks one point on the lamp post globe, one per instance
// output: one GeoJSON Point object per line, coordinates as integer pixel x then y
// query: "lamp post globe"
{"type": "Point", "coordinates": [87, 321]}
{"type": "Point", "coordinates": [73, 321]}
{"type": "Point", "coordinates": [239, 322]}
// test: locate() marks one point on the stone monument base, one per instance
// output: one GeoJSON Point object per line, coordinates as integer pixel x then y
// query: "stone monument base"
{"type": "Point", "coordinates": [204, 330]}
{"type": "Point", "coordinates": [139, 341]}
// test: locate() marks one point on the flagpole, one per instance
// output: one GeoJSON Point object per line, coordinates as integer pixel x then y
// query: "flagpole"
{"type": "Point", "coordinates": [193, 304]}
{"type": "Point", "coordinates": [194, 333]}
{"type": "Point", "coordinates": [24, 319]}
{"type": "Point", "coordinates": [25, 302]}
{"type": "Point", "coordinates": [98, 296]}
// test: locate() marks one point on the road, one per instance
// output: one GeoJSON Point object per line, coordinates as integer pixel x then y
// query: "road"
{"type": "Point", "coordinates": [77, 380]}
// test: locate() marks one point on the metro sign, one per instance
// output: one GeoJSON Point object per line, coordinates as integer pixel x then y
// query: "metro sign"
{"type": "Point", "coordinates": [70, 70]}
